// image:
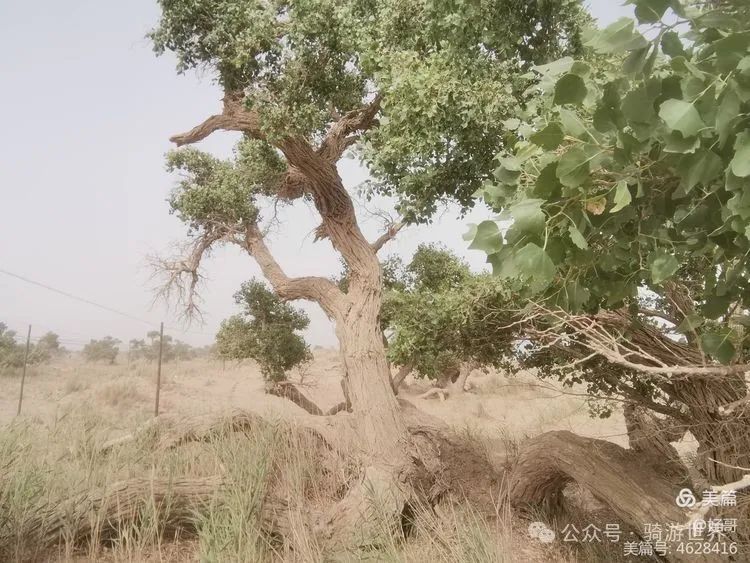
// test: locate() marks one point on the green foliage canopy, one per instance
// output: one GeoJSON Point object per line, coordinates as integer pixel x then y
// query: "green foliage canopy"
{"type": "Point", "coordinates": [443, 315]}
{"type": "Point", "coordinates": [148, 349]}
{"type": "Point", "coordinates": [633, 173]}
{"type": "Point", "coordinates": [103, 350]}
{"type": "Point", "coordinates": [265, 331]}
{"type": "Point", "coordinates": [447, 75]}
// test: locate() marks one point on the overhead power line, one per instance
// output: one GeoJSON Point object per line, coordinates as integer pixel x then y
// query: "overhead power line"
{"type": "Point", "coordinates": [93, 303]}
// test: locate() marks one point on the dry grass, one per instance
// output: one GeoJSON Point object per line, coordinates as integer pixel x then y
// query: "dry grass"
{"type": "Point", "coordinates": [53, 452]}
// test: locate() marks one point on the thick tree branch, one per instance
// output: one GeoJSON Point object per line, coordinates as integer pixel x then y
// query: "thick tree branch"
{"type": "Point", "coordinates": [387, 236]}
{"type": "Point", "coordinates": [344, 132]}
{"type": "Point", "coordinates": [235, 117]}
{"type": "Point", "coordinates": [311, 288]}
{"type": "Point", "coordinates": [659, 314]}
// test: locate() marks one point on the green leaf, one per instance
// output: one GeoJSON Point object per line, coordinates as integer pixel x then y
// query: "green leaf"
{"type": "Point", "coordinates": [690, 324]}
{"type": "Point", "coordinates": [699, 168]}
{"type": "Point", "coordinates": [671, 45]}
{"type": "Point", "coordinates": [729, 109]}
{"type": "Point", "coordinates": [618, 37]}
{"type": "Point", "coordinates": [528, 215]}
{"type": "Point", "coordinates": [718, 345]}
{"type": "Point", "coordinates": [573, 168]}
{"type": "Point", "coordinates": [575, 296]}
{"type": "Point", "coordinates": [471, 234]}
{"type": "Point", "coordinates": [512, 124]}
{"type": "Point", "coordinates": [555, 68]}
{"type": "Point", "coordinates": [534, 264]}
{"type": "Point", "coordinates": [487, 238]}
{"type": "Point", "coordinates": [716, 306]}
{"type": "Point", "coordinates": [663, 266]}
{"type": "Point", "coordinates": [550, 137]}
{"type": "Point", "coordinates": [581, 68]}
{"type": "Point", "coordinates": [677, 144]}
{"type": "Point", "coordinates": [681, 116]}
{"type": "Point", "coordinates": [547, 185]}
{"type": "Point", "coordinates": [635, 62]}
{"type": "Point", "coordinates": [577, 237]}
{"type": "Point", "coordinates": [638, 106]}
{"type": "Point", "coordinates": [650, 11]}
{"type": "Point", "coordinates": [622, 196]}
{"type": "Point", "coordinates": [741, 162]}
{"type": "Point", "coordinates": [570, 89]}
{"type": "Point", "coordinates": [571, 123]}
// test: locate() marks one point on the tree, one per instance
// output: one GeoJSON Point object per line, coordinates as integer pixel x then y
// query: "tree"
{"type": "Point", "coordinates": [171, 349]}
{"type": "Point", "coordinates": [105, 349]}
{"type": "Point", "coordinates": [444, 320]}
{"type": "Point", "coordinates": [628, 186]}
{"type": "Point", "coordinates": [266, 331]}
{"type": "Point", "coordinates": [51, 342]}
{"type": "Point", "coordinates": [422, 91]}
{"type": "Point", "coordinates": [12, 352]}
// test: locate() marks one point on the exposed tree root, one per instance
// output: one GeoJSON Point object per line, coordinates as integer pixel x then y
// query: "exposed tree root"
{"type": "Point", "coordinates": [439, 463]}
{"type": "Point", "coordinates": [619, 478]}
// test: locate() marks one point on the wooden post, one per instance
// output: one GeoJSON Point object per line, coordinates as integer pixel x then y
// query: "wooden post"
{"type": "Point", "coordinates": [158, 370]}
{"type": "Point", "coordinates": [23, 376]}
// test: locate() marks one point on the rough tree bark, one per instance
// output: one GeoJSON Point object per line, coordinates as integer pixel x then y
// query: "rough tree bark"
{"type": "Point", "coordinates": [617, 477]}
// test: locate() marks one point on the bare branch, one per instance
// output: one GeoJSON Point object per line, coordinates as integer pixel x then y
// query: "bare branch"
{"type": "Point", "coordinates": [659, 314]}
{"type": "Point", "coordinates": [182, 275]}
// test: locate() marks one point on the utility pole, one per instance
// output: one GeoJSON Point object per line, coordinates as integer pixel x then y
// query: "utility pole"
{"type": "Point", "coordinates": [158, 370]}
{"type": "Point", "coordinates": [23, 376]}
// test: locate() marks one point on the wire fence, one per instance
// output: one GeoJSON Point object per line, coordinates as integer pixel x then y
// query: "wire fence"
{"type": "Point", "coordinates": [78, 340]}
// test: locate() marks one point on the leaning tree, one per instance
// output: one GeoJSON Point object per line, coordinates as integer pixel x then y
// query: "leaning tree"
{"type": "Point", "coordinates": [422, 90]}
{"type": "Point", "coordinates": [628, 186]}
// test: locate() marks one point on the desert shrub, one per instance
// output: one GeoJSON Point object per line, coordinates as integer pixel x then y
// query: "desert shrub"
{"type": "Point", "coordinates": [104, 350]}
{"type": "Point", "coordinates": [442, 315]}
{"type": "Point", "coordinates": [172, 349]}
{"type": "Point", "coordinates": [12, 352]}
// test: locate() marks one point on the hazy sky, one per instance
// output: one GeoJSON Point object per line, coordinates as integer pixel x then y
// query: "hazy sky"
{"type": "Point", "coordinates": [87, 110]}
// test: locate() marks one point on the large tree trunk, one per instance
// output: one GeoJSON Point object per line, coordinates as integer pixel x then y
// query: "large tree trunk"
{"type": "Point", "coordinates": [391, 464]}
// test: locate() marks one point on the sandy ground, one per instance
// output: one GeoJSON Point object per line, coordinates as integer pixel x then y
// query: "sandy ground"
{"type": "Point", "coordinates": [496, 405]}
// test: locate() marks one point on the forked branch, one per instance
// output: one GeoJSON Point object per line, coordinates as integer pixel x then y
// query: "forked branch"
{"type": "Point", "coordinates": [235, 117]}
{"type": "Point", "coordinates": [388, 235]}
{"type": "Point", "coordinates": [182, 275]}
